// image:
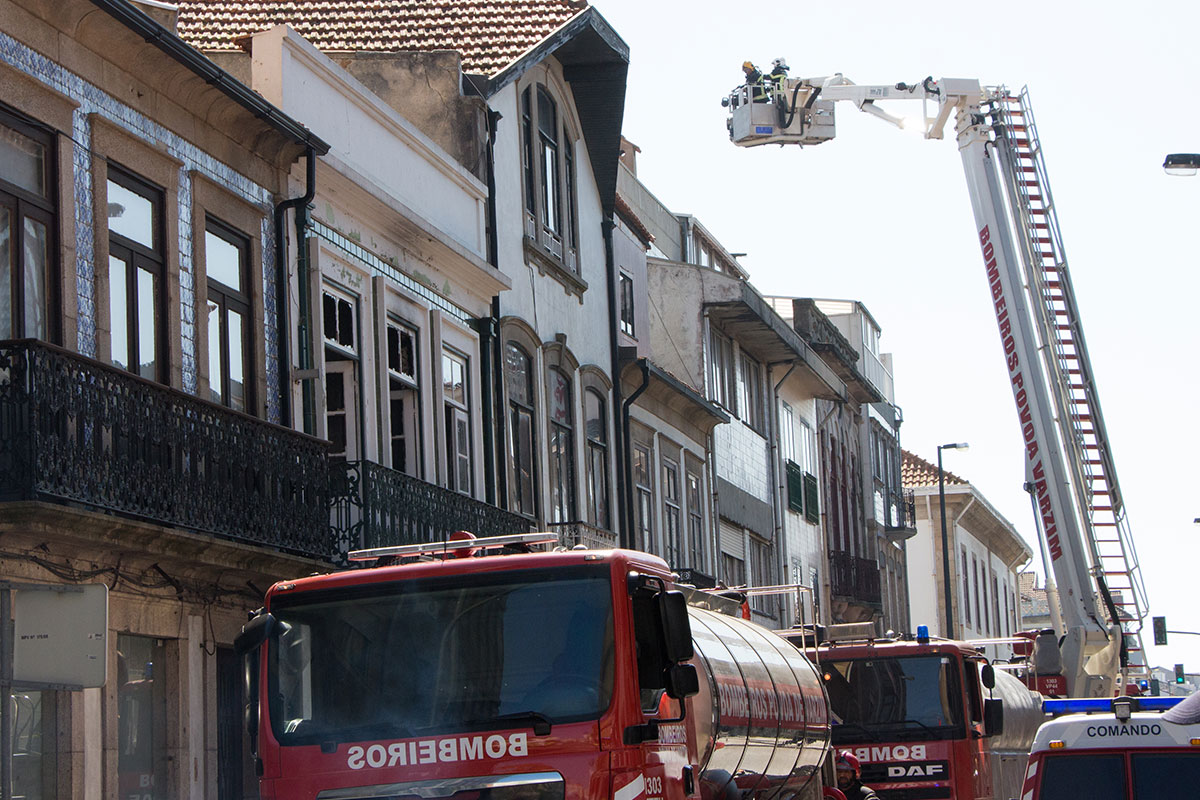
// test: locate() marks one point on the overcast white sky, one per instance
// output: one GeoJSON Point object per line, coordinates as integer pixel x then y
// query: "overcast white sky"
{"type": "Point", "coordinates": [884, 217]}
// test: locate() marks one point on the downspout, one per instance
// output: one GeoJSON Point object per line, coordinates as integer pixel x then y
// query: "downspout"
{"type": "Point", "coordinates": [620, 448]}
{"type": "Point", "coordinates": [626, 501]}
{"type": "Point", "coordinates": [284, 357]}
{"type": "Point", "coordinates": [495, 480]}
{"type": "Point", "coordinates": [779, 475]}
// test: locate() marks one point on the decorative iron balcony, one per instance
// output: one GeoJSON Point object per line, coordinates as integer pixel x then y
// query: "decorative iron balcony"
{"type": "Point", "coordinates": [74, 430]}
{"type": "Point", "coordinates": [376, 506]}
{"type": "Point", "coordinates": [854, 577]}
{"type": "Point", "coordinates": [901, 515]}
{"type": "Point", "coordinates": [591, 537]}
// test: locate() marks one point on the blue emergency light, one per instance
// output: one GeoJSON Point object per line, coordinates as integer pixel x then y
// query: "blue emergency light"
{"type": "Point", "coordinates": [922, 633]}
{"type": "Point", "coordinates": [1103, 705]}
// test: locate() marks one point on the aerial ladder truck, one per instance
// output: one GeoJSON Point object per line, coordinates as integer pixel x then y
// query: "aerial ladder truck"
{"type": "Point", "coordinates": [1069, 471]}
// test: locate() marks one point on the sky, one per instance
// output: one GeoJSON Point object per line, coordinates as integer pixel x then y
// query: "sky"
{"type": "Point", "coordinates": [883, 216]}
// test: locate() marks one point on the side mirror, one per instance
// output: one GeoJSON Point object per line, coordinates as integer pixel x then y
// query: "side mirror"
{"type": "Point", "coordinates": [257, 631]}
{"type": "Point", "coordinates": [676, 626]}
{"type": "Point", "coordinates": [988, 676]}
{"type": "Point", "coordinates": [682, 681]}
{"type": "Point", "coordinates": [993, 717]}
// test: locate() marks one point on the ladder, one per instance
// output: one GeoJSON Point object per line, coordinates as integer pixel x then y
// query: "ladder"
{"type": "Point", "coordinates": [1069, 372]}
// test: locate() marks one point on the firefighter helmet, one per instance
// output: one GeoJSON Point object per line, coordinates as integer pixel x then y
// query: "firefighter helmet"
{"type": "Point", "coordinates": [847, 760]}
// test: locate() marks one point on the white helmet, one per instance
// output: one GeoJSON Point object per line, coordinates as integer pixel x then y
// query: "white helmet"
{"type": "Point", "coordinates": [779, 63]}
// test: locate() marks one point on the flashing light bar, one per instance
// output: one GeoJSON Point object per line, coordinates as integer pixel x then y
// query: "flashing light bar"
{"type": "Point", "coordinates": [486, 543]}
{"type": "Point", "coordinates": [1103, 705]}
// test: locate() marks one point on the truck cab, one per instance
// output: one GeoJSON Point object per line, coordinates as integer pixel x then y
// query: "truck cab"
{"type": "Point", "coordinates": [1125, 748]}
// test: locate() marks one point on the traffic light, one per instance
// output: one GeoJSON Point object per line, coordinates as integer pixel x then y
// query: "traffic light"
{"type": "Point", "coordinates": [1179, 673]}
{"type": "Point", "coordinates": [1160, 630]}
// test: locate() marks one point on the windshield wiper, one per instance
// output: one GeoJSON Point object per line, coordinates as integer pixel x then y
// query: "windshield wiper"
{"type": "Point", "coordinates": [865, 730]}
{"type": "Point", "coordinates": [540, 722]}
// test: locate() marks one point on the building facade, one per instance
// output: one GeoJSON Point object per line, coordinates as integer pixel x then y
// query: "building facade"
{"type": "Point", "coordinates": [140, 343]}
{"type": "Point", "coordinates": [985, 553]}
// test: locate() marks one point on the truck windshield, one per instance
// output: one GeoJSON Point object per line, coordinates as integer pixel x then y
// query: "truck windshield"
{"type": "Point", "coordinates": [472, 652]}
{"type": "Point", "coordinates": [879, 699]}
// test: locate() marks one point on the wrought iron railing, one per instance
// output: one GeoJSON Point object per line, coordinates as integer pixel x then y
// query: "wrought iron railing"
{"type": "Point", "coordinates": [854, 577]}
{"type": "Point", "coordinates": [901, 511]}
{"type": "Point", "coordinates": [75, 430]}
{"type": "Point", "coordinates": [591, 537]}
{"type": "Point", "coordinates": [375, 506]}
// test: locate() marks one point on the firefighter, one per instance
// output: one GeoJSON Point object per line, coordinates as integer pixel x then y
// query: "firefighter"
{"type": "Point", "coordinates": [779, 71]}
{"type": "Point", "coordinates": [756, 81]}
{"type": "Point", "coordinates": [849, 777]}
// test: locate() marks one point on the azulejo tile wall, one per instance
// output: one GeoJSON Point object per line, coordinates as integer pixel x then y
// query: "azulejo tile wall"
{"type": "Point", "coordinates": [92, 100]}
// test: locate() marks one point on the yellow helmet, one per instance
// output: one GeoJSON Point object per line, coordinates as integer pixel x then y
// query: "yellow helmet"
{"type": "Point", "coordinates": [747, 65]}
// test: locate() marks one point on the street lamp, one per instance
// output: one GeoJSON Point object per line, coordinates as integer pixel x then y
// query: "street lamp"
{"type": "Point", "coordinates": [945, 537]}
{"type": "Point", "coordinates": [1182, 164]}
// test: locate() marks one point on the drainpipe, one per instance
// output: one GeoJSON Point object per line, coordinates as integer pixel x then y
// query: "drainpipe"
{"type": "Point", "coordinates": [281, 295]}
{"type": "Point", "coordinates": [780, 473]}
{"type": "Point", "coordinates": [495, 480]}
{"type": "Point", "coordinates": [626, 501]}
{"type": "Point", "coordinates": [620, 445]}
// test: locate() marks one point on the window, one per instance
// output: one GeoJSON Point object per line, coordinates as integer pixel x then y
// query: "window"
{"type": "Point", "coordinates": [787, 432]}
{"type": "Point", "coordinates": [549, 177]}
{"type": "Point", "coordinates": [518, 379]}
{"type": "Point", "coordinates": [762, 574]}
{"type": "Point", "coordinates": [1094, 776]}
{"type": "Point", "coordinates": [26, 230]}
{"type": "Point", "coordinates": [975, 579]}
{"type": "Point", "coordinates": [807, 455]}
{"type": "Point", "coordinates": [136, 276]}
{"type": "Point", "coordinates": [596, 428]}
{"type": "Point", "coordinates": [750, 393]}
{"type": "Point", "coordinates": [966, 587]}
{"type": "Point", "coordinates": [734, 570]}
{"type": "Point", "coordinates": [995, 607]}
{"type": "Point", "coordinates": [722, 374]}
{"type": "Point", "coordinates": [562, 448]}
{"type": "Point", "coordinates": [695, 510]}
{"type": "Point", "coordinates": [340, 328]}
{"type": "Point", "coordinates": [339, 331]}
{"type": "Point", "coordinates": [230, 369]}
{"type": "Point", "coordinates": [457, 407]}
{"type": "Point", "coordinates": [627, 305]}
{"type": "Point", "coordinates": [645, 496]}
{"type": "Point", "coordinates": [672, 534]}
{"type": "Point", "coordinates": [404, 404]}
{"type": "Point", "coordinates": [34, 744]}
{"type": "Point", "coordinates": [141, 715]}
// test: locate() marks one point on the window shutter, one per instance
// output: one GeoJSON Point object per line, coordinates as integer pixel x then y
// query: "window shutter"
{"type": "Point", "coordinates": [812, 510]}
{"type": "Point", "coordinates": [795, 487]}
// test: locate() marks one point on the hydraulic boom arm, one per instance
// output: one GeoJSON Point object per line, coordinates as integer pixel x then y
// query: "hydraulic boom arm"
{"type": "Point", "coordinates": [1039, 332]}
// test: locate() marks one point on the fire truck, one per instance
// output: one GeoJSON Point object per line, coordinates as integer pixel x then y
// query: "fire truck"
{"type": "Point", "coordinates": [1125, 748]}
{"type": "Point", "coordinates": [495, 669]}
{"type": "Point", "coordinates": [927, 718]}
{"type": "Point", "coordinates": [1069, 470]}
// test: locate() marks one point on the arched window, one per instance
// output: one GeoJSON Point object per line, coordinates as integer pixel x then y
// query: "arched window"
{"type": "Point", "coordinates": [562, 447]}
{"type": "Point", "coordinates": [597, 458]}
{"type": "Point", "coordinates": [518, 379]}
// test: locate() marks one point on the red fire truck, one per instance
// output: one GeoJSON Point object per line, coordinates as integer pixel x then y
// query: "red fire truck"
{"type": "Point", "coordinates": [928, 718]}
{"type": "Point", "coordinates": [569, 675]}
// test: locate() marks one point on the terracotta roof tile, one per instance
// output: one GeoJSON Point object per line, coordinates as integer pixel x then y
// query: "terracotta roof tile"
{"type": "Point", "coordinates": [490, 34]}
{"type": "Point", "coordinates": [916, 472]}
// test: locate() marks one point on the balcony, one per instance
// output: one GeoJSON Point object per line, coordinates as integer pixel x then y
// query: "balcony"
{"type": "Point", "coordinates": [591, 537]}
{"type": "Point", "coordinates": [376, 506]}
{"type": "Point", "coordinates": [854, 578]}
{"type": "Point", "coordinates": [901, 521]}
{"type": "Point", "coordinates": [76, 431]}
